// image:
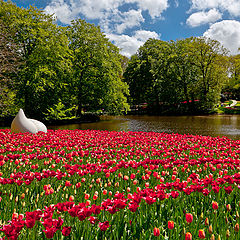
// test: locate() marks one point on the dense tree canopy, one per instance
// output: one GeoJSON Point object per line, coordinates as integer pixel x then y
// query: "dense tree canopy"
{"type": "Point", "coordinates": [56, 72]}
{"type": "Point", "coordinates": [65, 68]}
{"type": "Point", "coordinates": [96, 69]}
{"type": "Point", "coordinates": [178, 76]}
{"type": "Point", "coordinates": [9, 66]}
{"type": "Point", "coordinates": [232, 88]}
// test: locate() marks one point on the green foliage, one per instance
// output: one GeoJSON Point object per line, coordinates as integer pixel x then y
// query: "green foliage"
{"type": "Point", "coordinates": [172, 73]}
{"type": "Point", "coordinates": [44, 48]}
{"type": "Point", "coordinates": [9, 67]}
{"type": "Point", "coordinates": [232, 87]}
{"type": "Point", "coordinates": [97, 70]}
{"type": "Point", "coordinates": [64, 67]}
{"type": "Point", "coordinates": [59, 112]}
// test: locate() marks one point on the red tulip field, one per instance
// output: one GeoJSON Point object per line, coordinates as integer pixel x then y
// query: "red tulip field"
{"type": "Point", "coordinates": [91, 184]}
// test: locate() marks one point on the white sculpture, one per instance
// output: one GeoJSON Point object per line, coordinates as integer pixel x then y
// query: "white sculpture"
{"type": "Point", "coordinates": [23, 124]}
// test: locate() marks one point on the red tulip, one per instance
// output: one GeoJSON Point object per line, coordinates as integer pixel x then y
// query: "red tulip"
{"type": "Point", "coordinates": [201, 234]}
{"type": "Point", "coordinates": [189, 217]}
{"type": "Point", "coordinates": [66, 231]}
{"type": "Point", "coordinates": [188, 236]}
{"type": "Point", "coordinates": [156, 231]}
{"type": "Point", "coordinates": [170, 224]}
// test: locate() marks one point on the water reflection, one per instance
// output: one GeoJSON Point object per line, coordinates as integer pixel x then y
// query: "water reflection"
{"type": "Point", "coordinates": [212, 125]}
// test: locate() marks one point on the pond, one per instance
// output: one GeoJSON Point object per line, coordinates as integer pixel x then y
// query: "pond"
{"type": "Point", "coordinates": [210, 125]}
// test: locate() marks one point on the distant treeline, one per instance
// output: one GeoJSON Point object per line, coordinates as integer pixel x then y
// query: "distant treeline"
{"type": "Point", "coordinates": [186, 76]}
{"type": "Point", "coordinates": [55, 72]}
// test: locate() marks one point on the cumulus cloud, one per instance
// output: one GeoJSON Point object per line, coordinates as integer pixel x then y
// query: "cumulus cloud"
{"type": "Point", "coordinates": [200, 18]}
{"type": "Point", "coordinates": [155, 8]}
{"type": "Point", "coordinates": [114, 18]}
{"type": "Point", "coordinates": [130, 44]}
{"type": "Point", "coordinates": [227, 32]}
{"type": "Point", "coordinates": [67, 10]}
{"type": "Point", "coordinates": [63, 11]}
{"type": "Point", "coordinates": [231, 6]}
{"type": "Point", "coordinates": [129, 19]}
{"type": "Point", "coordinates": [107, 11]}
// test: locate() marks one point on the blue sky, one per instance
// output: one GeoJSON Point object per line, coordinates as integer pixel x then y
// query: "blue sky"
{"type": "Point", "coordinates": [129, 23]}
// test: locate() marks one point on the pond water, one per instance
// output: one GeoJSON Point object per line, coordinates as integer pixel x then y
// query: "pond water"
{"type": "Point", "coordinates": [210, 125]}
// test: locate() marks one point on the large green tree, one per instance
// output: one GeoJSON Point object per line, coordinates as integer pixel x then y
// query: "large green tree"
{"type": "Point", "coordinates": [9, 66]}
{"type": "Point", "coordinates": [96, 70]}
{"type": "Point", "coordinates": [43, 46]}
{"type": "Point", "coordinates": [173, 75]}
{"type": "Point", "coordinates": [146, 72]}
{"type": "Point", "coordinates": [210, 59]}
{"type": "Point", "coordinates": [231, 89]}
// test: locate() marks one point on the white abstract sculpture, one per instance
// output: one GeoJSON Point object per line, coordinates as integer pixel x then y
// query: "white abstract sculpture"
{"type": "Point", "coordinates": [23, 124]}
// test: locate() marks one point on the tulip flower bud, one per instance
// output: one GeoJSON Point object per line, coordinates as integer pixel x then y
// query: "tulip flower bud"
{"type": "Point", "coordinates": [22, 195]}
{"type": "Point", "coordinates": [104, 192]}
{"type": "Point", "coordinates": [189, 217]}
{"type": "Point", "coordinates": [228, 207]}
{"type": "Point", "coordinates": [215, 205]}
{"type": "Point", "coordinates": [236, 227]}
{"type": "Point", "coordinates": [212, 237]}
{"type": "Point", "coordinates": [156, 231]}
{"type": "Point", "coordinates": [210, 230]}
{"type": "Point", "coordinates": [228, 234]}
{"type": "Point", "coordinates": [201, 234]}
{"type": "Point", "coordinates": [188, 236]}
{"type": "Point", "coordinates": [71, 198]}
{"type": "Point", "coordinates": [170, 224]}
{"type": "Point", "coordinates": [206, 222]}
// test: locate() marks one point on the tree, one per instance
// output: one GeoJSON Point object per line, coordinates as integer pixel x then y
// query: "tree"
{"type": "Point", "coordinates": [172, 73]}
{"type": "Point", "coordinates": [9, 66]}
{"type": "Point", "coordinates": [232, 87]}
{"type": "Point", "coordinates": [184, 74]}
{"type": "Point", "coordinates": [209, 57]}
{"type": "Point", "coordinates": [96, 70]}
{"type": "Point", "coordinates": [44, 49]}
{"type": "Point", "coordinates": [147, 73]}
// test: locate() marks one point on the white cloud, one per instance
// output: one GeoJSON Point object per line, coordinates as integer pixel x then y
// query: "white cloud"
{"type": "Point", "coordinates": [93, 9]}
{"type": "Point", "coordinates": [107, 11]}
{"type": "Point", "coordinates": [129, 45]}
{"type": "Point", "coordinates": [200, 18]}
{"type": "Point", "coordinates": [129, 19]}
{"type": "Point", "coordinates": [227, 32]}
{"type": "Point", "coordinates": [64, 12]}
{"type": "Point", "coordinates": [155, 8]}
{"type": "Point", "coordinates": [144, 35]}
{"type": "Point", "coordinates": [111, 17]}
{"type": "Point", "coordinates": [67, 10]}
{"type": "Point", "coordinates": [231, 6]}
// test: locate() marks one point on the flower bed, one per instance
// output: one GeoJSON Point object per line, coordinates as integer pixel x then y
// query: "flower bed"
{"type": "Point", "coordinates": [118, 185]}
